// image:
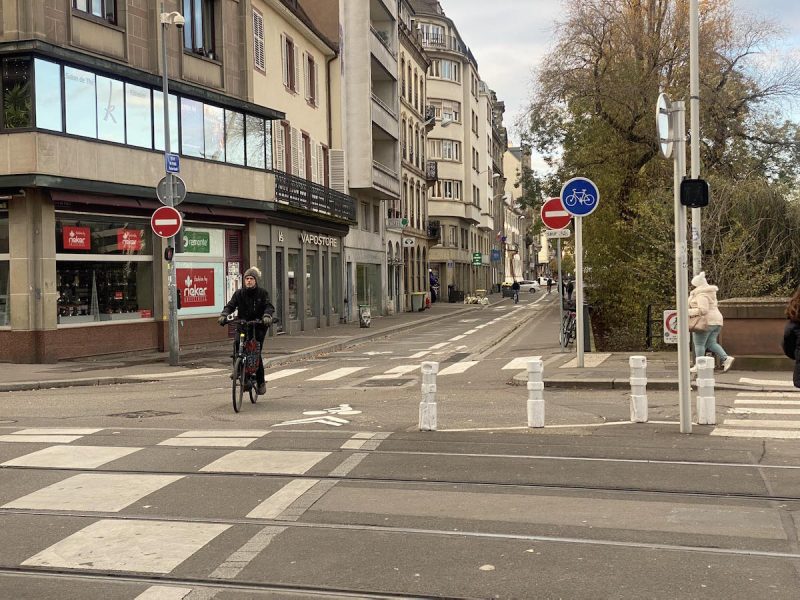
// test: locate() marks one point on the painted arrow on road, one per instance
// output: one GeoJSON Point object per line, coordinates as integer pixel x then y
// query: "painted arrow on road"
{"type": "Point", "coordinates": [327, 420]}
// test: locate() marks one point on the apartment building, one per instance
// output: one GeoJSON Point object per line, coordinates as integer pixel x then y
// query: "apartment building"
{"type": "Point", "coordinates": [462, 196]}
{"type": "Point", "coordinates": [517, 219]}
{"type": "Point", "coordinates": [83, 136]}
{"type": "Point", "coordinates": [499, 143]}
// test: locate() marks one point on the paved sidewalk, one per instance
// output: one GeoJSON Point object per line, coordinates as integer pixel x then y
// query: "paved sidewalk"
{"type": "Point", "coordinates": [601, 371]}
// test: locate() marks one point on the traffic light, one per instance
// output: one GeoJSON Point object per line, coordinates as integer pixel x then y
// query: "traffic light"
{"type": "Point", "coordinates": [694, 193]}
{"type": "Point", "coordinates": [179, 238]}
{"type": "Point", "coordinates": [169, 253]}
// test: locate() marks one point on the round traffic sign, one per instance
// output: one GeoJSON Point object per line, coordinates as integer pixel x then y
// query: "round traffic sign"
{"type": "Point", "coordinates": [553, 214]}
{"type": "Point", "coordinates": [580, 196]}
{"type": "Point", "coordinates": [166, 222]}
{"type": "Point", "coordinates": [664, 124]}
{"type": "Point", "coordinates": [178, 190]}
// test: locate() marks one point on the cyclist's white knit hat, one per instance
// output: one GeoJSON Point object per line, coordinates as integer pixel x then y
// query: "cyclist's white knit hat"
{"type": "Point", "coordinates": [254, 273]}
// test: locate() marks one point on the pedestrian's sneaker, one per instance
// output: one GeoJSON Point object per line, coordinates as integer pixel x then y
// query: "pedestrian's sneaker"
{"type": "Point", "coordinates": [727, 364]}
{"type": "Point", "coordinates": [262, 389]}
{"type": "Point", "coordinates": [693, 370]}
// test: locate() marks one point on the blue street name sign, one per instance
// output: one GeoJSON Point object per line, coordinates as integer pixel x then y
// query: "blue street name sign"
{"type": "Point", "coordinates": [173, 162]}
{"type": "Point", "coordinates": [580, 196]}
{"type": "Point", "coordinates": [495, 255]}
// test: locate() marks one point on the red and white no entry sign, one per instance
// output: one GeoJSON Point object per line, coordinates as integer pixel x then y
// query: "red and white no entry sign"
{"type": "Point", "coordinates": [553, 214]}
{"type": "Point", "coordinates": [166, 222]}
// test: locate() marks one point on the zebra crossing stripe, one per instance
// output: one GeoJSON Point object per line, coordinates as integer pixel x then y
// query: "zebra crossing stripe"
{"type": "Point", "coordinates": [761, 423]}
{"type": "Point", "coordinates": [401, 370]}
{"type": "Point", "coordinates": [768, 402]}
{"type": "Point", "coordinates": [770, 394]}
{"type": "Point", "coordinates": [458, 367]}
{"type": "Point", "coordinates": [337, 374]}
{"type": "Point", "coordinates": [762, 433]}
{"type": "Point", "coordinates": [164, 592]}
{"type": "Point", "coordinates": [280, 374]}
{"type": "Point", "coordinates": [519, 363]}
{"type": "Point", "coordinates": [764, 411]}
{"type": "Point", "coordinates": [282, 499]}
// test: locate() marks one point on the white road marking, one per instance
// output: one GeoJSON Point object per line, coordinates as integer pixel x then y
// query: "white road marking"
{"type": "Point", "coordinates": [280, 374]}
{"type": "Point", "coordinates": [762, 433]}
{"type": "Point", "coordinates": [761, 423]}
{"type": "Point", "coordinates": [99, 492]}
{"type": "Point", "coordinates": [519, 363]}
{"type": "Point", "coordinates": [458, 367]}
{"type": "Point", "coordinates": [780, 383]}
{"type": "Point", "coordinates": [591, 359]}
{"type": "Point", "coordinates": [402, 369]}
{"type": "Point", "coordinates": [470, 331]}
{"type": "Point", "coordinates": [207, 433]}
{"type": "Point", "coordinates": [326, 420]}
{"type": "Point", "coordinates": [337, 374]}
{"type": "Point", "coordinates": [282, 499]}
{"type": "Point", "coordinates": [418, 354]}
{"type": "Point", "coordinates": [456, 338]}
{"type": "Point", "coordinates": [164, 592]}
{"type": "Point", "coordinates": [284, 462]}
{"type": "Point", "coordinates": [237, 561]}
{"type": "Point", "coordinates": [775, 402]}
{"type": "Point", "coordinates": [765, 411]}
{"type": "Point", "coordinates": [183, 373]}
{"type": "Point", "coordinates": [440, 345]}
{"type": "Point", "coordinates": [211, 442]}
{"type": "Point", "coordinates": [56, 431]}
{"type": "Point", "coordinates": [39, 439]}
{"type": "Point", "coordinates": [68, 457]}
{"type": "Point", "coordinates": [138, 546]}
{"type": "Point", "coordinates": [770, 394]}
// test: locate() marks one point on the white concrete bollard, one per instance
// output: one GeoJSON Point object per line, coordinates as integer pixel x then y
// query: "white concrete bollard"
{"type": "Point", "coordinates": [427, 407]}
{"type": "Point", "coordinates": [535, 393]}
{"type": "Point", "coordinates": [706, 403]}
{"type": "Point", "coordinates": [638, 382]}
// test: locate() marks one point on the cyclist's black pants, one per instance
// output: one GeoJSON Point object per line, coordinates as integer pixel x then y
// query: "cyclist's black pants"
{"type": "Point", "coordinates": [260, 334]}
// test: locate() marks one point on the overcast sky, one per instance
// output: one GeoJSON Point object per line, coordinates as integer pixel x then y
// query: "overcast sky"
{"type": "Point", "coordinates": [508, 38]}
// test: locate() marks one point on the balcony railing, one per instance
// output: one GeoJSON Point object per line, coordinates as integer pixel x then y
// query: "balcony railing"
{"type": "Point", "coordinates": [443, 42]}
{"type": "Point", "coordinates": [312, 197]}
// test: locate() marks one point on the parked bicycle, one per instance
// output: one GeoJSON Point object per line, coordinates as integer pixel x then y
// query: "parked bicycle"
{"type": "Point", "coordinates": [246, 360]}
{"type": "Point", "coordinates": [568, 323]}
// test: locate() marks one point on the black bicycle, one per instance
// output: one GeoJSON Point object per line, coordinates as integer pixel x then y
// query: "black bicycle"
{"type": "Point", "coordinates": [246, 360]}
{"type": "Point", "coordinates": [567, 333]}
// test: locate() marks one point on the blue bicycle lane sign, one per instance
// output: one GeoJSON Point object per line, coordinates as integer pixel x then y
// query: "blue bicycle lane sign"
{"type": "Point", "coordinates": [580, 196]}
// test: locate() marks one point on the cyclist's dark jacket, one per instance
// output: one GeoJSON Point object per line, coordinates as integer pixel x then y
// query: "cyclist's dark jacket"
{"type": "Point", "coordinates": [250, 304]}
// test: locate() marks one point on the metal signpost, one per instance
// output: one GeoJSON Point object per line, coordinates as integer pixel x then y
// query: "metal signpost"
{"type": "Point", "coordinates": [670, 122]}
{"type": "Point", "coordinates": [694, 99]}
{"type": "Point", "coordinates": [555, 218]}
{"type": "Point", "coordinates": [580, 197]}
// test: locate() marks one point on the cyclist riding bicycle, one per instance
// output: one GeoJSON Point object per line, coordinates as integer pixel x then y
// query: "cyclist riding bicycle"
{"type": "Point", "coordinates": [251, 303]}
{"type": "Point", "coordinates": [515, 291]}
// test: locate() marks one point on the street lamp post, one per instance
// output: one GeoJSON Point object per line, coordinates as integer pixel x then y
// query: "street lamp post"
{"type": "Point", "coordinates": [167, 19]}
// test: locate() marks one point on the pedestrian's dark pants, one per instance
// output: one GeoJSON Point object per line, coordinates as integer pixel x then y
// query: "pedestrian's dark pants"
{"type": "Point", "coordinates": [260, 335]}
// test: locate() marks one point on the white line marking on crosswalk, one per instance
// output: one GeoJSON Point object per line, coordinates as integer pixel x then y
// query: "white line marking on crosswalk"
{"type": "Point", "coordinates": [282, 499]}
{"type": "Point", "coordinates": [770, 394]}
{"type": "Point", "coordinates": [767, 402]}
{"type": "Point", "coordinates": [765, 411]}
{"type": "Point", "coordinates": [764, 433]}
{"type": "Point", "coordinates": [779, 383]}
{"type": "Point", "coordinates": [418, 354]}
{"type": "Point", "coordinates": [402, 369]}
{"type": "Point", "coordinates": [207, 433]}
{"type": "Point", "coordinates": [439, 345]}
{"type": "Point", "coordinates": [280, 374]}
{"type": "Point", "coordinates": [519, 363]}
{"type": "Point", "coordinates": [285, 462]}
{"type": "Point", "coordinates": [56, 431]}
{"type": "Point", "coordinates": [470, 331]}
{"type": "Point", "coordinates": [337, 374]}
{"type": "Point", "coordinates": [67, 457]}
{"type": "Point", "coordinates": [458, 367]}
{"type": "Point", "coordinates": [211, 442]}
{"type": "Point", "coordinates": [592, 359]}
{"type": "Point", "coordinates": [456, 338]}
{"type": "Point", "coordinates": [164, 592]}
{"type": "Point", "coordinates": [761, 423]}
{"type": "Point", "coordinates": [39, 439]}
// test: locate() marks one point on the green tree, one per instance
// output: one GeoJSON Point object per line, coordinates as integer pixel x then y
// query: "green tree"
{"type": "Point", "coordinates": [593, 115]}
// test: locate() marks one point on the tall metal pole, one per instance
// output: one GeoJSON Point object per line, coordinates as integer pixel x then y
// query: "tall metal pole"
{"type": "Point", "coordinates": [678, 116]}
{"type": "Point", "coordinates": [694, 107]}
{"type": "Point", "coordinates": [172, 288]}
{"type": "Point", "coordinates": [579, 287]}
{"type": "Point", "coordinates": [560, 290]}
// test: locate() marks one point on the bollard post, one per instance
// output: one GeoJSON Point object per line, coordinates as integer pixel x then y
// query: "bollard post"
{"type": "Point", "coordinates": [638, 382]}
{"type": "Point", "coordinates": [427, 407]}
{"type": "Point", "coordinates": [535, 393]}
{"type": "Point", "coordinates": [706, 403]}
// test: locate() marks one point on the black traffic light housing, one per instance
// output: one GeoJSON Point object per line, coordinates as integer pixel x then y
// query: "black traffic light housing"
{"type": "Point", "coordinates": [169, 253]}
{"type": "Point", "coordinates": [694, 193]}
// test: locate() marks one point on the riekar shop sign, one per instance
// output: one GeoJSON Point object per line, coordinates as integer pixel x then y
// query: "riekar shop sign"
{"type": "Point", "coordinates": [197, 242]}
{"type": "Point", "coordinates": [196, 287]}
{"type": "Point", "coordinates": [77, 238]}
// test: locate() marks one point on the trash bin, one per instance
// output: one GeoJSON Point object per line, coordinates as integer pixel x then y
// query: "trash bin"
{"type": "Point", "coordinates": [364, 315]}
{"type": "Point", "coordinates": [417, 301]}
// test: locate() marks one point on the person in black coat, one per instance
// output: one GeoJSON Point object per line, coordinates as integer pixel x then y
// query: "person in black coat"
{"type": "Point", "coordinates": [791, 335]}
{"type": "Point", "coordinates": [251, 303]}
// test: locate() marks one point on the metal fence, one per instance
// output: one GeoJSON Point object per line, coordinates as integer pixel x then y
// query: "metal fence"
{"type": "Point", "coordinates": [307, 195]}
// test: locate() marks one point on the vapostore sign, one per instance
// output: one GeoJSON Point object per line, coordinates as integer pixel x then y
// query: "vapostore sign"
{"type": "Point", "coordinates": [196, 287]}
{"type": "Point", "coordinates": [129, 240]}
{"type": "Point", "coordinates": [77, 238]}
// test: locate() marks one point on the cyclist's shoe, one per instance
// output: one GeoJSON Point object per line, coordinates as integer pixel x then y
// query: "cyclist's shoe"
{"type": "Point", "coordinates": [262, 388]}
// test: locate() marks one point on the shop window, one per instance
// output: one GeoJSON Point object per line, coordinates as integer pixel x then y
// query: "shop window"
{"type": "Point", "coordinates": [336, 283]}
{"type": "Point", "coordinates": [368, 286]}
{"type": "Point", "coordinates": [312, 284]}
{"type": "Point", "coordinates": [94, 235]}
{"type": "Point", "coordinates": [200, 271]}
{"type": "Point", "coordinates": [48, 95]}
{"type": "Point", "coordinates": [192, 138]}
{"type": "Point", "coordinates": [214, 132]}
{"type": "Point", "coordinates": [102, 9]}
{"type": "Point", "coordinates": [158, 121]}
{"type": "Point", "coordinates": [139, 110]}
{"type": "Point", "coordinates": [234, 137]}
{"type": "Point", "coordinates": [80, 100]}
{"type": "Point", "coordinates": [17, 93]}
{"type": "Point", "coordinates": [292, 266]}
{"type": "Point", "coordinates": [255, 142]}
{"type": "Point", "coordinates": [198, 33]}
{"type": "Point", "coordinates": [110, 109]}
{"type": "Point", "coordinates": [5, 318]}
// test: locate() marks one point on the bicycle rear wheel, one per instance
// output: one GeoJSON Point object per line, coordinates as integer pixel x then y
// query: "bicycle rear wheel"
{"type": "Point", "coordinates": [237, 385]}
{"type": "Point", "coordinates": [253, 390]}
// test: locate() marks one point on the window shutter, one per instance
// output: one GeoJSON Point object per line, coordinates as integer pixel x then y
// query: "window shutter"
{"type": "Point", "coordinates": [306, 80]}
{"type": "Point", "coordinates": [284, 61]}
{"type": "Point", "coordinates": [314, 169]}
{"type": "Point", "coordinates": [320, 166]}
{"type": "Point", "coordinates": [280, 149]}
{"type": "Point", "coordinates": [259, 59]}
{"type": "Point", "coordinates": [301, 159]}
{"type": "Point", "coordinates": [337, 163]}
{"type": "Point", "coordinates": [296, 87]}
{"type": "Point", "coordinates": [293, 149]}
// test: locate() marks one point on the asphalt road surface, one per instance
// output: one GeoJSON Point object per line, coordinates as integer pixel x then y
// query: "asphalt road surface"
{"type": "Point", "coordinates": [325, 488]}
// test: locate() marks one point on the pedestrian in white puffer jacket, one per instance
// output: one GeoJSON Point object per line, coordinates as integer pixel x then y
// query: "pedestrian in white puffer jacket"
{"type": "Point", "coordinates": [703, 303]}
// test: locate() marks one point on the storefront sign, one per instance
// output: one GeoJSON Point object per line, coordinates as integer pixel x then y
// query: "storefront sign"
{"type": "Point", "coordinates": [198, 242]}
{"type": "Point", "coordinates": [77, 238]}
{"type": "Point", "coordinates": [196, 287]}
{"type": "Point", "coordinates": [129, 240]}
{"type": "Point", "coordinates": [319, 240]}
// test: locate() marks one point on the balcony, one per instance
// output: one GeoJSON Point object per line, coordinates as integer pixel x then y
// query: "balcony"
{"type": "Point", "coordinates": [431, 171]}
{"type": "Point", "coordinates": [443, 42]}
{"type": "Point", "coordinates": [433, 229]}
{"type": "Point", "coordinates": [384, 116]}
{"type": "Point", "coordinates": [313, 198]}
{"type": "Point", "coordinates": [472, 213]}
{"type": "Point", "coordinates": [381, 49]}
{"type": "Point", "coordinates": [385, 179]}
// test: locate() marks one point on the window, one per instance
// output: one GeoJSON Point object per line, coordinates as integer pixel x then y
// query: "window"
{"type": "Point", "coordinates": [214, 132]}
{"type": "Point", "coordinates": [432, 35]}
{"type": "Point", "coordinates": [446, 69]}
{"type": "Point", "coordinates": [81, 102]}
{"type": "Point", "coordinates": [446, 110]}
{"type": "Point", "coordinates": [445, 149]}
{"type": "Point", "coordinates": [364, 216]}
{"type": "Point", "coordinates": [259, 59]}
{"type": "Point", "coordinates": [289, 60]}
{"type": "Point", "coordinates": [255, 140]}
{"type": "Point", "coordinates": [102, 9]}
{"type": "Point", "coordinates": [198, 33]}
{"type": "Point", "coordinates": [312, 284]}
{"type": "Point", "coordinates": [48, 95]}
{"type": "Point", "coordinates": [234, 137]}
{"type": "Point", "coordinates": [449, 189]}
{"type": "Point", "coordinates": [453, 241]}
{"type": "Point", "coordinates": [110, 110]}
{"type": "Point", "coordinates": [139, 111]}
{"type": "Point", "coordinates": [475, 160]}
{"type": "Point", "coordinates": [5, 317]}
{"type": "Point", "coordinates": [292, 273]}
{"type": "Point", "coordinates": [192, 137]}
{"type": "Point", "coordinates": [474, 122]}
{"type": "Point", "coordinates": [376, 218]}
{"type": "Point", "coordinates": [311, 80]}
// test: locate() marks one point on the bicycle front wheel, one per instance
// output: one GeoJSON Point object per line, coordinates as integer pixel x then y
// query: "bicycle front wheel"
{"type": "Point", "coordinates": [253, 390]}
{"type": "Point", "coordinates": [237, 385]}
